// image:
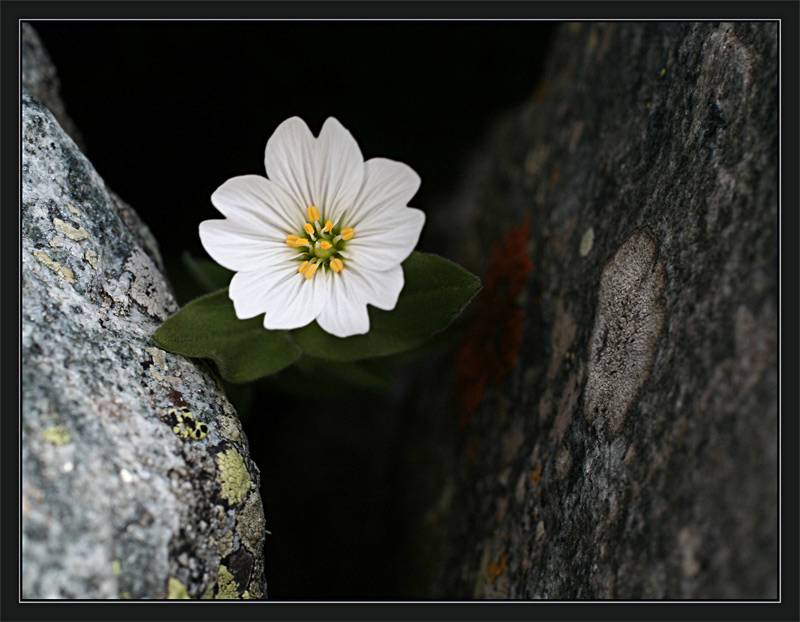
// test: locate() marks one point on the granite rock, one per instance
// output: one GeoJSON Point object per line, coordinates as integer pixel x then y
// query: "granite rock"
{"type": "Point", "coordinates": [136, 475]}
{"type": "Point", "coordinates": [40, 77]}
{"type": "Point", "coordinates": [631, 449]}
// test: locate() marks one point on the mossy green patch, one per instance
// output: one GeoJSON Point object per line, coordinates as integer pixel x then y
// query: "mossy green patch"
{"type": "Point", "coordinates": [228, 588]}
{"type": "Point", "coordinates": [57, 435]}
{"type": "Point", "coordinates": [232, 475]}
{"type": "Point", "coordinates": [177, 590]}
{"type": "Point", "coordinates": [184, 424]}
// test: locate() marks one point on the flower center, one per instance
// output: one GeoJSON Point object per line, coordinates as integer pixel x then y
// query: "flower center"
{"type": "Point", "coordinates": [320, 245]}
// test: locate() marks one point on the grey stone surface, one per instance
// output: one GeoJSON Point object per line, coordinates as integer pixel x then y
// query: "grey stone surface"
{"type": "Point", "coordinates": [40, 77]}
{"type": "Point", "coordinates": [119, 499]}
{"type": "Point", "coordinates": [631, 452]}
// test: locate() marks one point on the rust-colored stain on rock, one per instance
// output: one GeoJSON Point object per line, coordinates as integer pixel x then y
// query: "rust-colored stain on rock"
{"type": "Point", "coordinates": [488, 352]}
{"type": "Point", "coordinates": [536, 475]}
{"type": "Point", "coordinates": [497, 568]}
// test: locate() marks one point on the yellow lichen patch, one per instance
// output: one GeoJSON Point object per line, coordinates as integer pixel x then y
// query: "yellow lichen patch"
{"type": "Point", "coordinates": [184, 424]}
{"type": "Point", "coordinates": [67, 274]}
{"type": "Point", "coordinates": [177, 590]}
{"type": "Point", "coordinates": [92, 257]}
{"type": "Point", "coordinates": [232, 475]}
{"type": "Point", "coordinates": [73, 233]}
{"type": "Point", "coordinates": [57, 435]}
{"type": "Point", "coordinates": [497, 568]}
{"type": "Point", "coordinates": [55, 266]}
{"type": "Point", "coordinates": [228, 588]}
{"type": "Point", "coordinates": [209, 593]}
{"type": "Point", "coordinates": [116, 567]}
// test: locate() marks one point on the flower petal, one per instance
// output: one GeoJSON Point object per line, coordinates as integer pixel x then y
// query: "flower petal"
{"type": "Point", "coordinates": [380, 289]}
{"type": "Point", "coordinates": [250, 290]}
{"type": "Point", "coordinates": [345, 313]}
{"type": "Point", "coordinates": [387, 186]}
{"type": "Point", "coordinates": [290, 160]}
{"type": "Point", "coordinates": [295, 301]}
{"type": "Point", "coordinates": [339, 170]}
{"type": "Point", "coordinates": [238, 247]}
{"type": "Point", "coordinates": [259, 203]}
{"type": "Point", "coordinates": [385, 242]}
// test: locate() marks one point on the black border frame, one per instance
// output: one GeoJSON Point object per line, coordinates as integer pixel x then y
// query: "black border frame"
{"type": "Point", "coordinates": [788, 608]}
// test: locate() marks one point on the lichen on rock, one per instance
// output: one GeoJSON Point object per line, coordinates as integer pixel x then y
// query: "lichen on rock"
{"type": "Point", "coordinates": [233, 475]}
{"type": "Point", "coordinates": [630, 450]}
{"type": "Point", "coordinates": [116, 504]}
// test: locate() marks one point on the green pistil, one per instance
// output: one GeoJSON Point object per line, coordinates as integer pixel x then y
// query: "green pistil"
{"type": "Point", "coordinates": [324, 253]}
{"type": "Point", "coordinates": [317, 254]}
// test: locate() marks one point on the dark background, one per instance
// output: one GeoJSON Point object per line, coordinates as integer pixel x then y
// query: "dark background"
{"type": "Point", "coordinates": [170, 110]}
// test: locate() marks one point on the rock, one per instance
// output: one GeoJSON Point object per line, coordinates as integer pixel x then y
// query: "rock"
{"type": "Point", "coordinates": [41, 79]}
{"type": "Point", "coordinates": [136, 475]}
{"type": "Point", "coordinates": [629, 448]}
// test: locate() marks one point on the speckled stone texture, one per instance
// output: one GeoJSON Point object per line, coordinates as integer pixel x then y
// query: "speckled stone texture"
{"type": "Point", "coordinates": [632, 450]}
{"type": "Point", "coordinates": [118, 500]}
{"type": "Point", "coordinates": [40, 77]}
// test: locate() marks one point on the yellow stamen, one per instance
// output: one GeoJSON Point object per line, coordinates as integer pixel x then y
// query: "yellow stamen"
{"type": "Point", "coordinates": [295, 240]}
{"type": "Point", "coordinates": [336, 264]}
{"type": "Point", "coordinates": [325, 245]}
{"type": "Point", "coordinates": [328, 226]}
{"type": "Point", "coordinates": [308, 228]}
{"type": "Point", "coordinates": [303, 267]}
{"type": "Point", "coordinates": [347, 233]}
{"type": "Point", "coordinates": [313, 213]}
{"type": "Point", "coordinates": [310, 270]}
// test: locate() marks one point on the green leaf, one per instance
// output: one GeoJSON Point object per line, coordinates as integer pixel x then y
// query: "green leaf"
{"type": "Point", "coordinates": [243, 349]}
{"type": "Point", "coordinates": [436, 291]}
{"type": "Point", "coordinates": [208, 274]}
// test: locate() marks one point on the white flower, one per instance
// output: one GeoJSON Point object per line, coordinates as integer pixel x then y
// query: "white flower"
{"type": "Point", "coordinates": [321, 238]}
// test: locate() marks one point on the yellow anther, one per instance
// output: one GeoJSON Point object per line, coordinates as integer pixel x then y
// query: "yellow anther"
{"type": "Point", "coordinates": [325, 245]}
{"type": "Point", "coordinates": [347, 233]}
{"type": "Point", "coordinates": [303, 267]}
{"type": "Point", "coordinates": [313, 213]}
{"type": "Point", "coordinates": [328, 226]}
{"type": "Point", "coordinates": [310, 270]}
{"type": "Point", "coordinates": [336, 264]}
{"type": "Point", "coordinates": [295, 240]}
{"type": "Point", "coordinates": [308, 228]}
